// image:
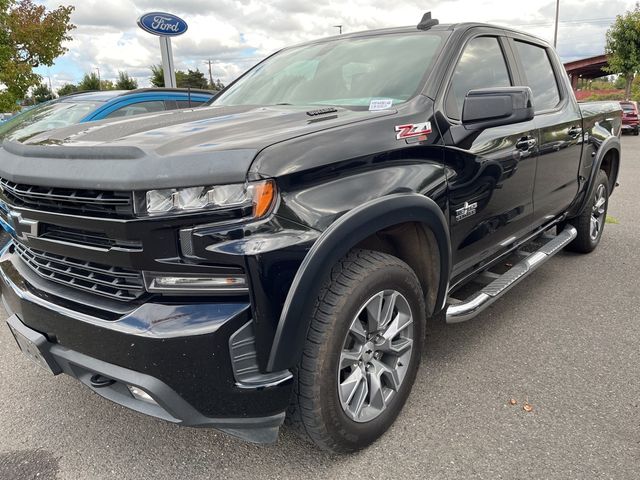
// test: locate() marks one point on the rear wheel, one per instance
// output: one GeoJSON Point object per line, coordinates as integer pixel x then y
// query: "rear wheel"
{"type": "Point", "coordinates": [636, 131]}
{"type": "Point", "coordinates": [590, 224]}
{"type": "Point", "coordinates": [361, 354]}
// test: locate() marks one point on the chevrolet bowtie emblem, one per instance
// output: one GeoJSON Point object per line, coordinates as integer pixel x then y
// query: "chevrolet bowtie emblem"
{"type": "Point", "coordinates": [23, 227]}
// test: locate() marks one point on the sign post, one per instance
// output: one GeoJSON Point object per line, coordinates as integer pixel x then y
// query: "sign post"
{"type": "Point", "coordinates": [167, 62]}
{"type": "Point", "coordinates": [165, 26]}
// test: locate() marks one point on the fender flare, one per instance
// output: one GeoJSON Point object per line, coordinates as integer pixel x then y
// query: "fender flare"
{"type": "Point", "coordinates": [335, 243]}
{"type": "Point", "coordinates": [611, 143]}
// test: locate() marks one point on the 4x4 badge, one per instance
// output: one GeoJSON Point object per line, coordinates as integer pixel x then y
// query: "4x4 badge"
{"type": "Point", "coordinates": [466, 211]}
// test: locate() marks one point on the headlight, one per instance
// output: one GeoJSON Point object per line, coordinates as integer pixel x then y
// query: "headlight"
{"type": "Point", "coordinates": [258, 195]}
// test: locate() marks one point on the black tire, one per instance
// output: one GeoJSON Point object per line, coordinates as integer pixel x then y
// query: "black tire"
{"type": "Point", "coordinates": [636, 132]}
{"type": "Point", "coordinates": [316, 412]}
{"type": "Point", "coordinates": [586, 242]}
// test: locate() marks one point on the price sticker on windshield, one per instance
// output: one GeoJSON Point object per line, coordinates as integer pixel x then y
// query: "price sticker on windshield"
{"type": "Point", "coordinates": [380, 104]}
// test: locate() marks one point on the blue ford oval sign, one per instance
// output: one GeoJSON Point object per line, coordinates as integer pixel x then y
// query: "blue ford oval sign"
{"type": "Point", "coordinates": [163, 24]}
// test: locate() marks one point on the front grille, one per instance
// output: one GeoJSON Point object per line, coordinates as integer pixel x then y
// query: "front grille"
{"type": "Point", "coordinates": [113, 282]}
{"type": "Point", "coordinates": [86, 238]}
{"type": "Point", "coordinates": [66, 200]}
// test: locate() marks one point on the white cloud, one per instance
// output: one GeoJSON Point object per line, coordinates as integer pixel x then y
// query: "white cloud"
{"type": "Point", "coordinates": [236, 34]}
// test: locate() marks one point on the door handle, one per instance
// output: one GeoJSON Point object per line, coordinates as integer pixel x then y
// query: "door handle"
{"type": "Point", "coordinates": [575, 132]}
{"type": "Point", "coordinates": [526, 143]}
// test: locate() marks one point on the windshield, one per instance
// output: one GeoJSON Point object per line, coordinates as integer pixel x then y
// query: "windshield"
{"type": "Point", "coordinates": [346, 72]}
{"type": "Point", "coordinates": [45, 117]}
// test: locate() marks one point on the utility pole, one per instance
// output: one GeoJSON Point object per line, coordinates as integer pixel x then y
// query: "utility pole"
{"type": "Point", "coordinates": [555, 34]}
{"type": "Point", "coordinates": [338, 27]}
{"type": "Point", "coordinates": [99, 81]}
{"type": "Point", "coordinates": [208, 62]}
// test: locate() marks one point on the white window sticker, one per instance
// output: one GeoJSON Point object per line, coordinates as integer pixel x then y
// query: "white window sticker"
{"type": "Point", "coordinates": [380, 104]}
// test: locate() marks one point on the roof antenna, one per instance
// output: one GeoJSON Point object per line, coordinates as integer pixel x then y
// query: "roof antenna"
{"type": "Point", "coordinates": [427, 22]}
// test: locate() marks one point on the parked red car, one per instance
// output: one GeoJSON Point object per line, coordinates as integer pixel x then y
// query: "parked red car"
{"type": "Point", "coordinates": [630, 122]}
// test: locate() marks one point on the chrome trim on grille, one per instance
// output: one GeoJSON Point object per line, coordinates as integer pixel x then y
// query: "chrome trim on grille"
{"type": "Point", "coordinates": [65, 200]}
{"type": "Point", "coordinates": [112, 282]}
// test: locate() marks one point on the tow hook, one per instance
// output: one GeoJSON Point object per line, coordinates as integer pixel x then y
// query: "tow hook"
{"type": "Point", "coordinates": [98, 381]}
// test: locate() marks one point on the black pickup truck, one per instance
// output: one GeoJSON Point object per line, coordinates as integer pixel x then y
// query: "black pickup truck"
{"type": "Point", "coordinates": [278, 253]}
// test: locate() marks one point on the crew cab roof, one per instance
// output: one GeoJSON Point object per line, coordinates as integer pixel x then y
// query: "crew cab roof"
{"type": "Point", "coordinates": [447, 27]}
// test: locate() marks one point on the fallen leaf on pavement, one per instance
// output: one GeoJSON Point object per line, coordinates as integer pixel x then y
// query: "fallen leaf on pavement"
{"type": "Point", "coordinates": [527, 407]}
{"type": "Point", "coordinates": [513, 401]}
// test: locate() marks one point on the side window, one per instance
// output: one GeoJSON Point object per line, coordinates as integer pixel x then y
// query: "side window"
{"type": "Point", "coordinates": [138, 108]}
{"type": "Point", "coordinates": [185, 103]}
{"type": "Point", "coordinates": [540, 76]}
{"type": "Point", "coordinates": [482, 65]}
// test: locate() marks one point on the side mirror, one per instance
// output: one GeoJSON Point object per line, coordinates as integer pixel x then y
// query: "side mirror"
{"type": "Point", "coordinates": [493, 107]}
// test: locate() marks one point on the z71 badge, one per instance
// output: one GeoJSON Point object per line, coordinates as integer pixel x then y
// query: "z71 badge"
{"type": "Point", "coordinates": [466, 211]}
{"type": "Point", "coordinates": [413, 130]}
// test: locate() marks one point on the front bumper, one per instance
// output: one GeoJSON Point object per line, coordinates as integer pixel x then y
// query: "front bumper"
{"type": "Point", "coordinates": [178, 353]}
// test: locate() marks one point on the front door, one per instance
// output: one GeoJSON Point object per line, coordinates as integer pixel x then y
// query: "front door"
{"type": "Point", "coordinates": [492, 172]}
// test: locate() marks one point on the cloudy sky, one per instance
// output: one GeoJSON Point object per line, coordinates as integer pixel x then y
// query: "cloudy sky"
{"type": "Point", "coordinates": [235, 34]}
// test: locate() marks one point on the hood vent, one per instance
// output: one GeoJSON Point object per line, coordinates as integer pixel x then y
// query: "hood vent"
{"type": "Point", "coordinates": [322, 111]}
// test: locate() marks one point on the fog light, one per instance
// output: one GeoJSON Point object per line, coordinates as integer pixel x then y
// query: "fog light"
{"type": "Point", "coordinates": [166, 282]}
{"type": "Point", "coordinates": [140, 394]}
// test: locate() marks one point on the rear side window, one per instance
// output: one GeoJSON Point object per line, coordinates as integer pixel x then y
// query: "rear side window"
{"type": "Point", "coordinates": [540, 76]}
{"type": "Point", "coordinates": [138, 108]}
{"type": "Point", "coordinates": [482, 65]}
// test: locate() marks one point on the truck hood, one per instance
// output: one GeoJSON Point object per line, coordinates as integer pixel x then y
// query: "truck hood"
{"type": "Point", "coordinates": [169, 149]}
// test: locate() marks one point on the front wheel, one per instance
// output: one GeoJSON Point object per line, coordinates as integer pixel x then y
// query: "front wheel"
{"type": "Point", "coordinates": [361, 354]}
{"type": "Point", "coordinates": [590, 223]}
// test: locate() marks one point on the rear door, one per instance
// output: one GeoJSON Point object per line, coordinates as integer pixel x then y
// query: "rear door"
{"type": "Point", "coordinates": [491, 172]}
{"type": "Point", "coordinates": [559, 122]}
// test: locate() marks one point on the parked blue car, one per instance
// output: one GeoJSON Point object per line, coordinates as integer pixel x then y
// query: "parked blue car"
{"type": "Point", "coordinates": [89, 106]}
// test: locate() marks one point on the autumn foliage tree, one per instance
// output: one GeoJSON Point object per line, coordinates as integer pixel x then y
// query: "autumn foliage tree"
{"type": "Point", "coordinates": [623, 47]}
{"type": "Point", "coordinates": [30, 36]}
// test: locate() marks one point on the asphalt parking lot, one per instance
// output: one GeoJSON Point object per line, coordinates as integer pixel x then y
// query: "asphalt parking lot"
{"type": "Point", "coordinates": [567, 340]}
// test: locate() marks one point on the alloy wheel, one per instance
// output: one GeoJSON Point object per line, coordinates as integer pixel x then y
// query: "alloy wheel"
{"type": "Point", "coordinates": [375, 356]}
{"type": "Point", "coordinates": [598, 212]}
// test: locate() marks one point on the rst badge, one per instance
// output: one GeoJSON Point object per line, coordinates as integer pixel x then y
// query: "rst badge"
{"type": "Point", "coordinates": [466, 211]}
{"type": "Point", "coordinates": [413, 130]}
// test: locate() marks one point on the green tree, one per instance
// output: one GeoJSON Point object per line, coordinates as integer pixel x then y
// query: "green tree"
{"type": "Point", "coordinates": [188, 79]}
{"type": "Point", "coordinates": [217, 86]}
{"type": "Point", "coordinates": [191, 79]}
{"type": "Point", "coordinates": [90, 81]}
{"type": "Point", "coordinates": [42, 93]}
{"type": "Point", "coordinates": [125, 82]}
{"type": "Point", "coordinates": [67, 89]}
{"type": "Point", "coordinates": [157, 75]}
{"type": "Point", "coordinates": [623, 47]}
{"type": "Point", "coordinates": [30, 36]}
{"type": "Point", "coordinates": [107, 85]}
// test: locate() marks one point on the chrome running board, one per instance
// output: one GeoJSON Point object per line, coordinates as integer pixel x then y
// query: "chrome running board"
{"type": "Point", "coordinates": [461, 311]}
